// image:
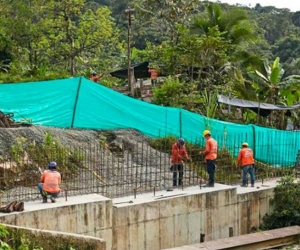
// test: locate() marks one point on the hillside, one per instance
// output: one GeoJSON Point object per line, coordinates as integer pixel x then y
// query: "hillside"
{"type": "Point", "coordinates": [111, 163]}
{"type": "Point", "coordinates": [68, 137]}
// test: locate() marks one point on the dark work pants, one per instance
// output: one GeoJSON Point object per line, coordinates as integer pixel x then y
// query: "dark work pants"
{"type": "Point", "coordinates": [177, 168]}
{"type": "Point", "coordinates": [248, 169]}
{"type": "Point", "coordinates": [211, 171]}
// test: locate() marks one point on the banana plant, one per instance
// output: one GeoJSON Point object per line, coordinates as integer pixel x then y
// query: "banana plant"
{"type": "Point", "coordinates": [271, 85]}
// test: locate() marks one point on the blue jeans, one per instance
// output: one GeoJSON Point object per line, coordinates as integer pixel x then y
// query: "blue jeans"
{"type": "Point", "coordinates": [248, 169]}
{"type": "Point", "coordinates": [211, 166]}
{"type": "Point", "coordinates": [45, 193]}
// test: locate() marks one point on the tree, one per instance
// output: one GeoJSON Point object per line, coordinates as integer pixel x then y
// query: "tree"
{"type": "Point", "coordinates": [74, 31]}
{"type": "Point", "coordinates": [234, 25]}
{"type": "Point", "coordinates": [58, 35]}
{"type": "Point", "coordinates": [271, 86]}
{"type": "Point", "coordinates": [296, 18]}
{"type": "Point", "coordinates": [22, 25]}
{"type": "Point", "coordinates": [276, 23]}
{"type": "Point", "coordinates": [234, 29]}
{"type": "Point", "coordinates": [270, 82]}
{"type": "Point", "coordinates": [176, 93]}
{"type": "Point", "coordinates": [164, 17]}
{"type": "Point", "coordinates": [287, 49]}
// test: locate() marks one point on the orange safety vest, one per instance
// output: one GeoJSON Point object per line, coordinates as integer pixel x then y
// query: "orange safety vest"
{"type": "Point", "coordinates": [211, 149]}
{"type": "Point", "coordinates": [51, 180]}
{"type": "Point", "coordinates": [246, 157]}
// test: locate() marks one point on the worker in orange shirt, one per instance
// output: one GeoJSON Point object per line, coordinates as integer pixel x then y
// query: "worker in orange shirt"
{"type": "Point", "coordinates": [95, 77]}
{"type": "Point", "coordinates": [178, 156]}
{"type": "Point", "coordinates": [153, 75]}
{"type": "Point", "coordinates": [210, 153]}
{"type": "Point", "coordinates": [50, 183]}
{"type": "Point", "coordinates": [246, 160]}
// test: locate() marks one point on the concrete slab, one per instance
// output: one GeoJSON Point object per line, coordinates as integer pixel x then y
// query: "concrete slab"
{"type": "Point", "coordinates": [145, 197]}
{"type": "Point", "coordinates": [267, 184]}
{"type": "Point", "coordinates": [61, 202]}
{"type": "Point", "coordinates": [177, 192]}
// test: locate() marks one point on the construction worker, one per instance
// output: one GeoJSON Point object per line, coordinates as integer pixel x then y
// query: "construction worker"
{"type": "Point", "coordinates": [210, 153]}
{"type": "Point", "coordinates": [153, 71]}
{"type": "Point", "coordinates": [95, 77]}
{"type": "Point", "coordinates": [246, 160]}
{"type": "Point", "coordinates": [50, 183]}
{"type": "Point", "coordinates": [178, 156]}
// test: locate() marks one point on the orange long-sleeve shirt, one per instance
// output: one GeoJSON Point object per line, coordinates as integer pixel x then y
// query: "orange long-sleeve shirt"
{"type": "Point", "coordinates": [211, 149]}
{"type": "Point", "coordinates": [51, 180]}
{"type": "Point", "coordinates": [245, 157]}
{"type": "Point", "coordinates": [178, 153]}
{"type": "Point", "coordinates": [95, 78]}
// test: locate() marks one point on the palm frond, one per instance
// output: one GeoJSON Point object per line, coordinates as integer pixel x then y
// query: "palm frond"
{"type": "Point", "coordinates": [262, 76]}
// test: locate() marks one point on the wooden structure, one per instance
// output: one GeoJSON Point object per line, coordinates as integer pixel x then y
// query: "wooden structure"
{"type": "Point", "coordinates": [6, 121]}
{"type": "Point", "coordinates": [271, 239]}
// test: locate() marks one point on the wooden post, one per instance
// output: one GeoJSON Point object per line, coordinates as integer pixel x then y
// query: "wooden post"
{"type": "Point", "coordinates": [129, 13]}
{"type": "Point", "coordinates": [132, 81]}
{"type": "Point", "coordinates": [141, 88]}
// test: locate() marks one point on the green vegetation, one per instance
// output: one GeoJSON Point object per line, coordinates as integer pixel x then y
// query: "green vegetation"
{"type": "Point", "coordinates": [286, 205]}
{"type": "Point", "coordinates": [19, 239]}
{"type": "Point", "coordinates": [202, 48]}
{"type": "Point", "coordinates": [29, 155]}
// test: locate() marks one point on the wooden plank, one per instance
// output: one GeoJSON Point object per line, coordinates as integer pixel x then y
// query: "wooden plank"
{"type": "Point", "coordinates": [261, 240]}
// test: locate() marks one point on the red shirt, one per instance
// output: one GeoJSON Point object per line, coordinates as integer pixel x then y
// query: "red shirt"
{"type": "Point", "coordinates": [95, 78]}
{"type": "Point", "coordinates": [245, 157]}
{"type": "Point", "coordinates": [211, 149]}
{"type": "Point", "coordinates": [51, 180]}
{"type": "Point", "coordinates": [178, 153]}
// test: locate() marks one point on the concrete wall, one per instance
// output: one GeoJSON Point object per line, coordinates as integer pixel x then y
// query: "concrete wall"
{"type": "Point", "coordinates": [50, 240]}
{"type": "Point", "coordinates": [163, 220]}
{"type": "Point", "coordinates": [252, 206]}
{"type": "Point", "coordinates": [183, 220]}
{"type": "Point", "coordinates": [90, 216]}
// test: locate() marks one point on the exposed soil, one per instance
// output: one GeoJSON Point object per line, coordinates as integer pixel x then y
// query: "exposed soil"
{"type": "Point", "coordinates": [133, 147]}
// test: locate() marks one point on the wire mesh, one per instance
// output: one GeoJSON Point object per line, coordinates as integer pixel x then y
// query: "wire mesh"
{"type": "Point", "coordinates": [129, 169]}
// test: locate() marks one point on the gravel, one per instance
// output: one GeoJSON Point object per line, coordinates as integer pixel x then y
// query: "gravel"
{"type": "Point", "coordinates": [133, 145]}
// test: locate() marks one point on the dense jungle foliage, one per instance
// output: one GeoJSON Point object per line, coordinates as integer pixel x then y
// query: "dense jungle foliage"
{"type": "Point", "coordinates": [202, 48]}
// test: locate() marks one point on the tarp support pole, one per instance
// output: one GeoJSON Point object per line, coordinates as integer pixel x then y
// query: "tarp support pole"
{"type": "Point", "coordinates": [180, 123]}
{"type": "Point", "coordinates": [254, 140]}
{"type": "Point", "coordinates": [258, 113]}
{"type": "Point", "coordinates": [76, 100]}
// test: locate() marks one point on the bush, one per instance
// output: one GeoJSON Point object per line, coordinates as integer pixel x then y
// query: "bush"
{"type": "Point", "coordinates": [286, 205]}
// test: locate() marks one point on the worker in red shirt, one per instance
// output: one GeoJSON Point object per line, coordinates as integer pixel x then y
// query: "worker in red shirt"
{"type": "Point", "coordinates": [210, 154]}
{"type": "Point", "coordinates": [50, 182]}
{"type": "Point", "coordinates": [246, 160]}
{"type": "Point", "coordinates": [95, 77]}
{"type": "Point", "coordinates": [153, 75]}
{"type": "Point", "coordinates": [178, 156]}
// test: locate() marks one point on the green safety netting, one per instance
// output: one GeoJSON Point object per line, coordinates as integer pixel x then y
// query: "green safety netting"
{"type": "Point", "coordinates": [83, 104]}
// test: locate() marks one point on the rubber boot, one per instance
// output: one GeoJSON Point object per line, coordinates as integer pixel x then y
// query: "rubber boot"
{"type": "Point", "coordinates": [45, 199]}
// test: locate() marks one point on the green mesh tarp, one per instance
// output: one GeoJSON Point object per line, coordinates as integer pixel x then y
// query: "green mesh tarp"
{"type": "Point", "coordinates": [83, 104]}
